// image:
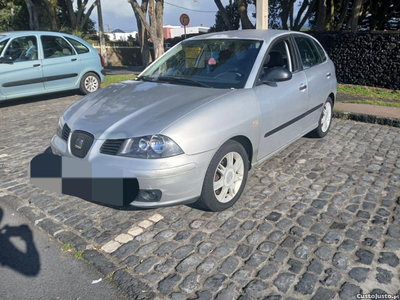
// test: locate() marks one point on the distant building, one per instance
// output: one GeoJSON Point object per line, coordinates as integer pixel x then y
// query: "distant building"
{"type": "Point", "coordinates": [171, 31]}
{"type": "Point", "coordinates": [120, 35]}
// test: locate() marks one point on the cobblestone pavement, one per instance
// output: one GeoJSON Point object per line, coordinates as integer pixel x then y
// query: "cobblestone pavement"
{"type": "Point", "coordinates": [320, 220]}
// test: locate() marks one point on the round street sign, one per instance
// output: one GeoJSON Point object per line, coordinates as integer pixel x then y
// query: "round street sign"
{"type": "Point", "coordinates": [184, 18]}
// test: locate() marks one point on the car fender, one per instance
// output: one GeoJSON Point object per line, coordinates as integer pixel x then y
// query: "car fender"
{"type": "Point", "coordinates": [210, 126]}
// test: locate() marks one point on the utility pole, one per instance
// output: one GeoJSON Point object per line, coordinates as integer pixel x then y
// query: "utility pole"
{"type": "Point", "coordinates": [262, 14]}
{"type": "Point", "coordinates": [103, 50]}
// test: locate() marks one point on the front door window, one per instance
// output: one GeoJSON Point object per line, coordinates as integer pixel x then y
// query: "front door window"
{"type": "Point", "coordinates": [22, 49]}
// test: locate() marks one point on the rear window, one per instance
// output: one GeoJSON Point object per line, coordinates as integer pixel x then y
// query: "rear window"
{"type": "Point", "coordinates": [79, 47]}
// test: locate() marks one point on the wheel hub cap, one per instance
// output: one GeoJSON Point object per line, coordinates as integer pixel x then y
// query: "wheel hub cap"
{"type": "Point", "coordinates": [228, 177]}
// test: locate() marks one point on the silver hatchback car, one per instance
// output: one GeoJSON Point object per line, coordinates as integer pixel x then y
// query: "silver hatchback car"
{"type": "Point", "coordinates": [195, 121]}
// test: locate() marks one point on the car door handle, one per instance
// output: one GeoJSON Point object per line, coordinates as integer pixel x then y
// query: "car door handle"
{"type": "Point", "coordinates": [302, 87]}
{"type": "Point", "coordinates": [74, 59]}
{"type": "Point", "coordinates": [328, 75]}
{"type": "Point", "coordinates": [37, 65]}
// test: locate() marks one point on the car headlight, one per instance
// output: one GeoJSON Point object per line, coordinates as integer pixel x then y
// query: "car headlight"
{"type": "Point", "coordinates": [60, 126]}
{"type": "Point", "coordinates": [151, 146]}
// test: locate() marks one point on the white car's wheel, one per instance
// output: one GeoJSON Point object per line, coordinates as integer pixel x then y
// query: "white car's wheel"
{"type": "Point", "coordinates": [225, 178]}
{"type": "Point", "coordinates": [90, 83]}
{"type": "Point", "coordinates": [325, 120]}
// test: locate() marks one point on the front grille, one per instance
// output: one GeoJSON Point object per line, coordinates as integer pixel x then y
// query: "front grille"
{"type": "Point", "coordinates": [111, 147]}
{"type": "Point", "coordinates": [65, 132]}
{"type": "Point", "coordinates": [81, 142]}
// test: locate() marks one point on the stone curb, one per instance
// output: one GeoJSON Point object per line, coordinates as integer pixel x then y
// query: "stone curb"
{"type": "Point", "coordinates": [133, 287]}
{"type": "Point", "coordinates": [366, 118]}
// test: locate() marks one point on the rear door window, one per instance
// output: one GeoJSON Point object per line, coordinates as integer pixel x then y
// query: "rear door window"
{"type": "Point", "coordinates": [320, 50]}
{"type": "Point", "coordinates": [55, 46]}
{"type": "Point", "coordinates": [79, 47]}
{"type": "Point", "coordinates": [308, 52]}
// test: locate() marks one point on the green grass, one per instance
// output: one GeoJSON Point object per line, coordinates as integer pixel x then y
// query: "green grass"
{"type": "Point", "coordinates": [374, 102]}
{"type": "Point", "coordinates": [366, 91]}
{"type": "Point", "coordinates": [111, 79]}
{"type": "Point", "coordinates": [68, 247]}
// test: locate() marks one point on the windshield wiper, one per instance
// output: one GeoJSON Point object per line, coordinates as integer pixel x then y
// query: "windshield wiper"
{"type": "Point", "coordinates": [146, 78]}
{"type": "Point", "coordinates": [183, 80]}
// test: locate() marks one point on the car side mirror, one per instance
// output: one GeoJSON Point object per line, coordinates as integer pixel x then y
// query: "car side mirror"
{"type": "Point", "coordinates": [6, 59]}
{"type": "Point", "coordinates": [276, 74]}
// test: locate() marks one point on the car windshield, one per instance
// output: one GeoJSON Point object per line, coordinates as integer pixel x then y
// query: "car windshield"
{"type": "Point", "coordinates": [215, 63]}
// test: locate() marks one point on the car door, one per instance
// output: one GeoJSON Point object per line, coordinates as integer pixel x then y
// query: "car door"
{"type": "Point", "coordinates": [317, 70]}
{"type": "Point", "coordinates": [61, 64]}
{"type": "Point", "coordinates": [282, 104]}
{"type": "Point", "coordinates": [22, 75]}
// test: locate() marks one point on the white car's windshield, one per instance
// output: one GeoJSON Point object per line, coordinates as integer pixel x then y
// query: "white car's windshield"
{"type": "Point", "coordinates": [222, 63]}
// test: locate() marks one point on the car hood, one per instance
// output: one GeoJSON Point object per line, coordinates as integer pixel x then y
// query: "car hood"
{"type": "Point", "coordinates": [136, 108]}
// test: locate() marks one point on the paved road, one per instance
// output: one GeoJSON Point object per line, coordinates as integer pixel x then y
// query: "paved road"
{"type": "Point", "coordinates": [32, 266]}
{"type": "Point", "coordinates": [319, 220]}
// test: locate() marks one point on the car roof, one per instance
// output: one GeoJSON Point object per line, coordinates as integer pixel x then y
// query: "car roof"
{"type": "Point", "coordinates": [249, 34]}
{"type": "Point", "coordinates": [18, 33]}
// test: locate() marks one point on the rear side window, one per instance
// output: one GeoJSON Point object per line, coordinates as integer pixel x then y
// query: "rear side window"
{"type": "Point", "coordinates": [320, 51]}
{"type": "Point", "coordinates": [55, 46]}
{"type": "Point", "coordinates": [79, 47]}
{"type": "Point", "coordinates": [308, 52]}
{"type": "Point", "coordinates": [2, 46]}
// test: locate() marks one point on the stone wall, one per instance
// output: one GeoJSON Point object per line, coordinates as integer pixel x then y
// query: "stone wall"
{"type": "Point", "coordinates": [123, 56]}
{"type": "Point", "coordinates": [364, 58]}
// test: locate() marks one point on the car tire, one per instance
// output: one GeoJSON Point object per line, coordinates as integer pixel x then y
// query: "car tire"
{"type": "Point", "coordinates": [325, 120]}
{"type": "Point", "coordinates": [222, 190]}
{"type": "Point", "coordinates": [90, 83]}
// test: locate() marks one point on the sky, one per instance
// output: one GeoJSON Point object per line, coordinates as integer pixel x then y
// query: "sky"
{"type": "Point", "coordinates": [119, 14]}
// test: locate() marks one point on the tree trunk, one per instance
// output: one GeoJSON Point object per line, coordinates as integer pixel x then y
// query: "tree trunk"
{"type": "Point", "coordinates": [33, 16]}
{"type": "Point", "coordinates": [321, 15]}
{"type": "Point", "coordinates": [285, 13]}
{"type": "Point", "coordinates": [52, 15]}
{"type": "Point", "coordinates": [155, 30]}
{"type": "Point", "coordinates": [303, 7]}
{"type": "Point", "coordinates": [343, 15]}
{"type": "Point", "coordinates": [242, 9]}
{"type": "Point", "coordinates": [386, 14]}
{"type": "Point", "coordinates": [331, 16]}
{"type": "Point", "coordinates": [142, 34]}
{"type": "Point", "coordinates": [355, 14]}
{"type": "Point", "coordinates": [85, 19]}
{"type": "Point", "coordinates": [71, 13]}
{"type": "Point", "coordinates": [308, 13]}
{"type": "Point", "coordinates": [224, 14]}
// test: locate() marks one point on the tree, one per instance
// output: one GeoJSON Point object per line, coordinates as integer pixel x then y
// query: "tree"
{"type": "Point", "coordinates": [241, 10]}
{"type": "Point", "coordinates": [80, 18]}
{"type": "Point", "coordinates": [33, 15]}
{"type": "Point", "coordinates": [52, 10]}
{"type": "Point", "coordinates": [142, 34]}
{"type": "Point", "coordinates": [13, 16]}
{"type": "Point", "coordinates": [155, 27]}
{"type": "Point", "coordinates": [233, 19]}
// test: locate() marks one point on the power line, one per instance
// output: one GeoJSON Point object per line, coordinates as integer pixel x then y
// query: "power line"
{"type": "Point", "coordinates": [203, 11]}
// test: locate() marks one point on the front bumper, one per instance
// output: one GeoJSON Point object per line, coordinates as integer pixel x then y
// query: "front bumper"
{"type": "Point", "coordinates": [179, 179]}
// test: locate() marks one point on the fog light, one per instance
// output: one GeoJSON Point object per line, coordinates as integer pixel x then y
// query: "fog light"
{"type": "Point", "coordinates": [149, 195]}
